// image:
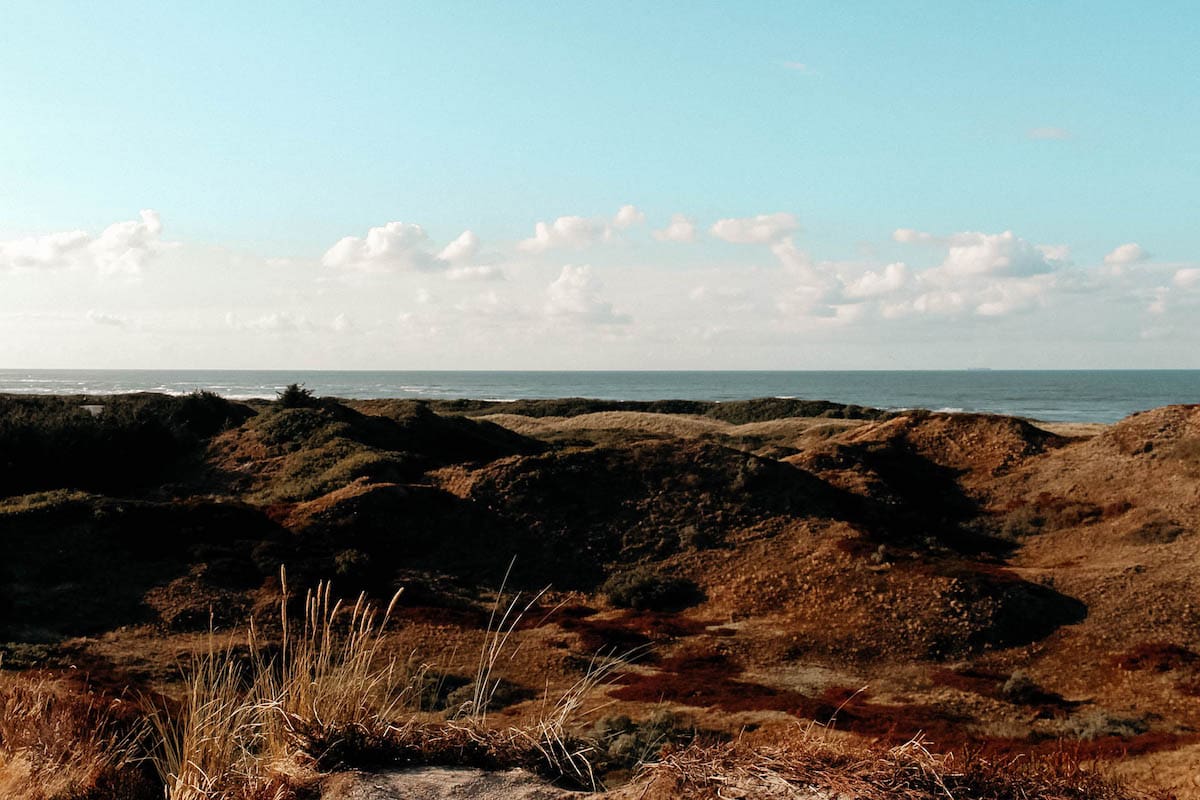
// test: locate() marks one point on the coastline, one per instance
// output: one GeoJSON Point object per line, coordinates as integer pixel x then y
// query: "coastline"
{"type": "Point", "coordinates": [1062, 396]}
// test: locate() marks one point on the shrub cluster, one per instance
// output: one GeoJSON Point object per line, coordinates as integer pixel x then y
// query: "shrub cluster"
{"type": "Point", "coordinates": [645, 589]}
{"type": "Point", "coordinates": [59, 443]}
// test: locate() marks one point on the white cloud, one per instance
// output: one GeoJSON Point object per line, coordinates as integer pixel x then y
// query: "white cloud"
{"type": "Point", "coordinates": [1005, 297]}
{"type": "Point", "coordinates": [1056, 252]}
{"type": "Point", "coordinates": [1187, 278]}
{"type": "Point", "coordinates": [761, 229]}
{"type": "Point", "coordinates": [681, 228]}
{"type": "Point", "coordinates": [576, 232]}
{"type": "Point", "coordinates": [113, 320]}
{"type": "Point", "coordinates": [798, 66]}
{"type": "Point", "coordinates": [123, 247]}
{"type": "Point", "coordinates": [127, 246]}
{"type": "Point", "coordinates": [988, 274]}
{"type": "Point", "coordinates": [483, 272]}
{"type": "Point", "coordinates": [464, 248]}
{"type": "Point", "coordinates": [575, 294]}
{"type": "Point", "coordinates": [911, 236]}
{"type": "Point", "coordinates": [815, 292]}
{"type": "Point", "coordinates": [994, 254]}
{"type": "Point", "coordinates": [397, 246]}
{"type": "Point", "coordinates": [1128, 253]}
{"type": "Point", "coordinates": [1049, 134]}
{"type": "Point", "coordinates": [44, 252]}
{"type": "Point", "coordinates": [805, 300]}
{"type": "Point", "coordinates": [573, 232]}
{"type": "Point", "coordinates": [940, 302]}
{"type": "Point", "coordinates": [890, 280]}
{"type": "Point", "coordinates": [627, 217]}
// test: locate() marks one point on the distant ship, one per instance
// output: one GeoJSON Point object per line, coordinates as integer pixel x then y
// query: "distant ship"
{"type": "Point", "coordinates": [979, 369]}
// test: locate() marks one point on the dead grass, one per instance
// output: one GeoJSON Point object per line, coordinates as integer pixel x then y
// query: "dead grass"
{"type": "Point", "coordinates": [258, 723]}
{"type": "Point", "coordinates": [814, 765]}
{"type": "Point", "coordinates": [613, 428]}
{"type": "Point", "coordinates": [60, 743]}
{"type": "Point", "coordinates": [247, 715]}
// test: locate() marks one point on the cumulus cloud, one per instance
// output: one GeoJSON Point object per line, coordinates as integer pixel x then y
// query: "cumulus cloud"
{"type": "Point", "coordinates": [994, 254]}
{"type": "Point", "coordinates": [889, 280]}
{"type": "Point", "coordinates": [575, 294]}
{"type": "Point", "coordinates": [396, 247]}
{"type": "Point", "coordinates": [1001, 298]}
{"type": "Point", "coordinates": [1049, 134]}
{"type": "Point", "coordinates": [986, 274]}
{"type": "Point", "coordinates": [912, 236]}
{"type": "Point", "coordinates": [575, 232]}
{"type": "Point", "coordinates": [462, 249]}
{"type": "Point", "coordinates": [123, 247]}
{"type": "Point", "coordinates": [761, 229]}
{"type": "Point", "coordinates": [1188, 278]}
{"type": "Point", "coordinates": [627, 217]}
{"type": "Point", "coordinates": [815, 290]}
{"type": "Point", "coordinates": [1128, 253]}
{"type": "Point", "coordinates": [1060, 253]}
{"type": "Point", "coordinates": [681, 228]}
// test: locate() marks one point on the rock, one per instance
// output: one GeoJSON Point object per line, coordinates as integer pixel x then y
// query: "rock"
{"type": "Point", "coordinates": [435, 783]}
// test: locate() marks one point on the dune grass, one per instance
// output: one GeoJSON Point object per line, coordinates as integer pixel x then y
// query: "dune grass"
{"type": "Point", "coordinates": [812, 763]}
{"type": "Point", "coordinates": [258, 721]}
{"type": "Point", "coordinates": [58, 742]}
{"type": "Point", "coordinates": [251, 715]}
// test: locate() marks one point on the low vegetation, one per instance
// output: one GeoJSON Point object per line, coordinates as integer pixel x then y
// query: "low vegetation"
{"type": "Point", "coordinates": [922, 574]}
{"type": "Point", "coordinates": [68, 442]}
{"type": "Point", "coordinates": [737, 412]}
{"type": "Point", "coordinates": [646, 589]}
{"type": "Point", "coordinates": [809, 760]}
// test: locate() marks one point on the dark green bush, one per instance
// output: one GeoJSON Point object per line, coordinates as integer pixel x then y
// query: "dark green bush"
{"type": "Point", "coordinates": [645, 589]}
{"type": "Point", "coordinates": [295, 395]}
{"type": "Point", "coordinates": [57, 443]}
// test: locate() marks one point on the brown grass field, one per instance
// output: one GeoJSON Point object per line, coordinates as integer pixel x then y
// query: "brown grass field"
{"type": "Point", "coordinates": [698, 602]}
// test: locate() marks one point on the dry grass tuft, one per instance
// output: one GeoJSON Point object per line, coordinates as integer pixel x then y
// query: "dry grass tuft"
{"type": "Point", "coordinates": [814, 765]}
{"type": "Point", "coordinates": [248, 719]}
{"type": "Point", "coordinates": [58, 743]}
{"type": "Point", "coordinates": [258, 724]}
{"type": "Point", "coordinates": [332, 679]}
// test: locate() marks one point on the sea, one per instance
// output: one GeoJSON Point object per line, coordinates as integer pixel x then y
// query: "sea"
{"type": "Point", "coordinates": [1052, 395]}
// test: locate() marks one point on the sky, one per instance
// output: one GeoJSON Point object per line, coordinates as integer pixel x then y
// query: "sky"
{"type": "Point", "coordinates": [750, 185]}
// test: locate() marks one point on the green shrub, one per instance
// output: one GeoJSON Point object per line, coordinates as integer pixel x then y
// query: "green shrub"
{"type": "Point", "coordinates": [645, 589]}
{"type": "Point", "coordinates": [295, 395]}
{"type": "Point", "coordinates": [56, 443]}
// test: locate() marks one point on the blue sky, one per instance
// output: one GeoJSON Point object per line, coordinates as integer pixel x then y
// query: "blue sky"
{"type": "Point", "coordinates": [263, 132]}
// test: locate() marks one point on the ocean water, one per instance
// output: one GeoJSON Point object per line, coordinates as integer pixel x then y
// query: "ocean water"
{"type": "Point", "coordinates": [1072, 395]}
